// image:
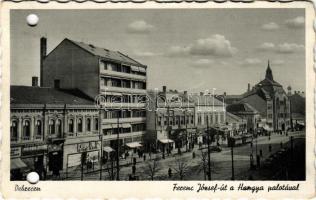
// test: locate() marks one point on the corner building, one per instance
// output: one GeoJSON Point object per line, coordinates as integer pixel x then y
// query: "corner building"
{"type": "Point", "coordinates": [112, 76]}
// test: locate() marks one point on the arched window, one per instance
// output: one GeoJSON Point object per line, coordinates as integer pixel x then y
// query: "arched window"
{"type": "Point", "coordinates": [38, 128]}
{"type": "Point", "coordinates": [71, 126]}
{"type": "Point", "coordinates": [88, 124]}
{"type": "Point", "coordinates": [79, 125]}
{"type": "Point", "coordinates": [26, 130]}
{"type": "Point", "coordinates": [14, 130]}
{"type": "Point", "coordinates": [58, 126]}
{"type": "Point", "coordinates": [277, 103]}
{"type": "Point", "coordinates": [96, 124]}
{"type": "Point", "coordinates": [51, 127]}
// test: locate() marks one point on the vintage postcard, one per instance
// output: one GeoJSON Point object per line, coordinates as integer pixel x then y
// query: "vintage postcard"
{"type": "Point", "coordinates": [188, 100]}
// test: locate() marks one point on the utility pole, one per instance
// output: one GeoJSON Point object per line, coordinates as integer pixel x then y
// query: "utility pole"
{"type": "Point", "coordinates": [118, 147]}
{"type": "Point", "coordinates": [101, 138]}
{"type": "Point", "coordinates": [208, 152]}
{"type": "Point", "coordinates": [232, 143]}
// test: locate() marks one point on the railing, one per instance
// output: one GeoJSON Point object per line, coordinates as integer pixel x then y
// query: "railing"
{"type": "Point", "coordinates": [38, 137]}
{"type": "Point", "coordinates": [122, 89]}
{"type": "Point", "coordinates": [13, 139]}
{"type": "Point", "coordinates": [124, 120]}
{"type": "Point", "coordinates": [26, 138]}
{"type": "Point", "coordinates": [123, 74]}
{"type": "Point", "coordinates": [124, 105]}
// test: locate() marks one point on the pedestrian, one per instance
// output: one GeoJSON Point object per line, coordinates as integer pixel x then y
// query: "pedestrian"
{"type": "Point", "coordinates": [169, 172]}
{"type": "Point", "coordinates": [134, 169]}
{"type": "Point", "coordinates": [270, 148]}
{"type": "Point", "coordinates": [261, 152]}
{"type": "Point", "coordinates": [144, 157]}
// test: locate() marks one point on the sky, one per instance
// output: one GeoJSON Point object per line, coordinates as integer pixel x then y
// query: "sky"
{"type": "Point", "coordinates": [188, 49]}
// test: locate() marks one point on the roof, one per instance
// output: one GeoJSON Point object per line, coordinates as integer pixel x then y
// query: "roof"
{"type": "Point", "coordinates": [45, 95]}
{"type": "Point", "coordinates": [268, 82]}
{"type": "Point", "coordinates": [232, 118]}
{"type": "Point", "coordinates": [107, 54]}
{"type": "Point", "coordinates": [241, 108]}
{"type": "Point", "coordinates": [256, 102]}
{"type": "Point", "coordinates": [206, 100]}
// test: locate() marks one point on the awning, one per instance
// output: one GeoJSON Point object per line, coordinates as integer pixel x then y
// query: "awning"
{"type": "Point", "coordinates": [301, 123]}
{"type": "Point", "coordinates": [135, 68]}
{"type": "Point", "coordinates": [108, 149]}
{"type": "Point", "coordinates": [133, 144]}
{"type": "Point", "coordinates": [166, 141]}
{"type": "Point", "coordinates": [267, 128]}
{"type": "Point", "coordinates": [17, 163]}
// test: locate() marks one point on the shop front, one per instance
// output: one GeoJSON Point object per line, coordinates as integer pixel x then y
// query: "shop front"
{"type": "Point", "coordinates": [78, 152]}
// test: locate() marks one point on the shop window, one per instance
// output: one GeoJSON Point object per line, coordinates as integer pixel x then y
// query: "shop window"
{"type": "Point", "coordinates": [79, 125]}
{"type": "Point", "coordinates": [51, 127]}
{"type": "Point", "coordinates": [14, 130]}
{"type": "Point", "coordinates": [71, 126]}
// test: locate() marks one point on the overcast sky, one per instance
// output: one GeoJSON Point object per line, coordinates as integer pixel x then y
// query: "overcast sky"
{"type": "Point", "coordinates": [189, 49]}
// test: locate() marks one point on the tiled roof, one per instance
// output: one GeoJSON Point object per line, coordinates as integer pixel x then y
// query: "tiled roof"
{"type": "Point", "coordinates": [105, 53]}
{"type": "Point", "coordinates": [45, 95]}
{"type": "Point", "coordinates": [257, 102]}
{"type": "Point", "coordinates": [241, 108]}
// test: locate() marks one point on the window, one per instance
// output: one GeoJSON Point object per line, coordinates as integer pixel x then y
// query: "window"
{"type": "Point", "coordinates": [51, 127]}
{"type": "Point", "coordinates": [71, 126]}
{"type": "Point", "coordinates": [26, 130]}
{"type": "Point", "coordinates": [159, 121]}
{"type": "Point", "coordinates": [38, 128]}
{"type": "Point", "coordinates": [58, 126]}
{"type": "Point", "coordinates": [79, 125]}
{"type": "Point", "coordinates": [96, 124]}
{"type": "Point", "coordinates": [88, 124]}
{"type": "Point", "coordinates": [14, 130]}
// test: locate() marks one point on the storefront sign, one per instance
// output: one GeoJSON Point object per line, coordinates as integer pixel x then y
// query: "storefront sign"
{"type": "Point", "coordinates": [15, 152]}
{"type": "Point", "coordinates": [54, 147]}
{"type": "Point", "coordinates": [87, 146]}
{"type": "Point", "coordinates": [32, 150]}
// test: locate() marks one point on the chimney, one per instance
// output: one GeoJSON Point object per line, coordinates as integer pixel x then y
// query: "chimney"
{"type": "Point", "coordinates": [248, 87]}
{"type": "Point", "coordinates": [185, 92]}
{"type": "Point", "coordinates": [164, 88]}
{"type": "Point", "coordinates": [35, 81]}
{"type": "Point", "coordinates": [201, 93]}
{"type": "Point", "coordinates": [43, 52]}
{"type": "Point", "coordinates": [224, 94]}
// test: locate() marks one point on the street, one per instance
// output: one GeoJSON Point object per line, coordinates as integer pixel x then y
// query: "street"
{"type": "Point", "coordinates": [186, 167]}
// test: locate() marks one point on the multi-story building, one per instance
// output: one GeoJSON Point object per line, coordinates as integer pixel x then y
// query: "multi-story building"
{"type": "Point", "coordinates": [170, 120]}
{"type": "Point", "coordinates": [110, 77]}
{"type": "Point", "coordinates": [51, 128]}
{"type": "Point", "coordinates": [270, 100]}
{"type": "Point", "coordinates": [210, 113]}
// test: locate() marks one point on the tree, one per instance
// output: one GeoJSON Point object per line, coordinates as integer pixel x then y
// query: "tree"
{"type": "Point", "coordinates": [181, 168]}
{"type": "Point", "coordinates": [204, 165]}
{"type": "Point", "coordinates": [152, 167]}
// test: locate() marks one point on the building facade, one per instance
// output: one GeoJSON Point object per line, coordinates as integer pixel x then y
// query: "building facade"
{"type": "Point", "coordinates": [271, 101]}
{"type": "Point", "coordinates": [50, 129]}
{"type": "Point", "coordinates": [117, 83]}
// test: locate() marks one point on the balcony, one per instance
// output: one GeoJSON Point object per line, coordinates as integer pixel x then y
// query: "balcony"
{"type": "Point", "coordinates": [26, 138]}
{"type": "Point", "coordinates": [124, 120]}
{"type": "Point", "coordinates": [38, 137]}
{"type": "Point", "coordinates": [123, 135]}
{"type": "Point", "coordinates": [123, 75]}
{"type": "Point", "coordinates": [122, 90]}
{"type": "Point", "coordinates": [124, 105]}
{"type": "Point", "coordinates": [13, 139]}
